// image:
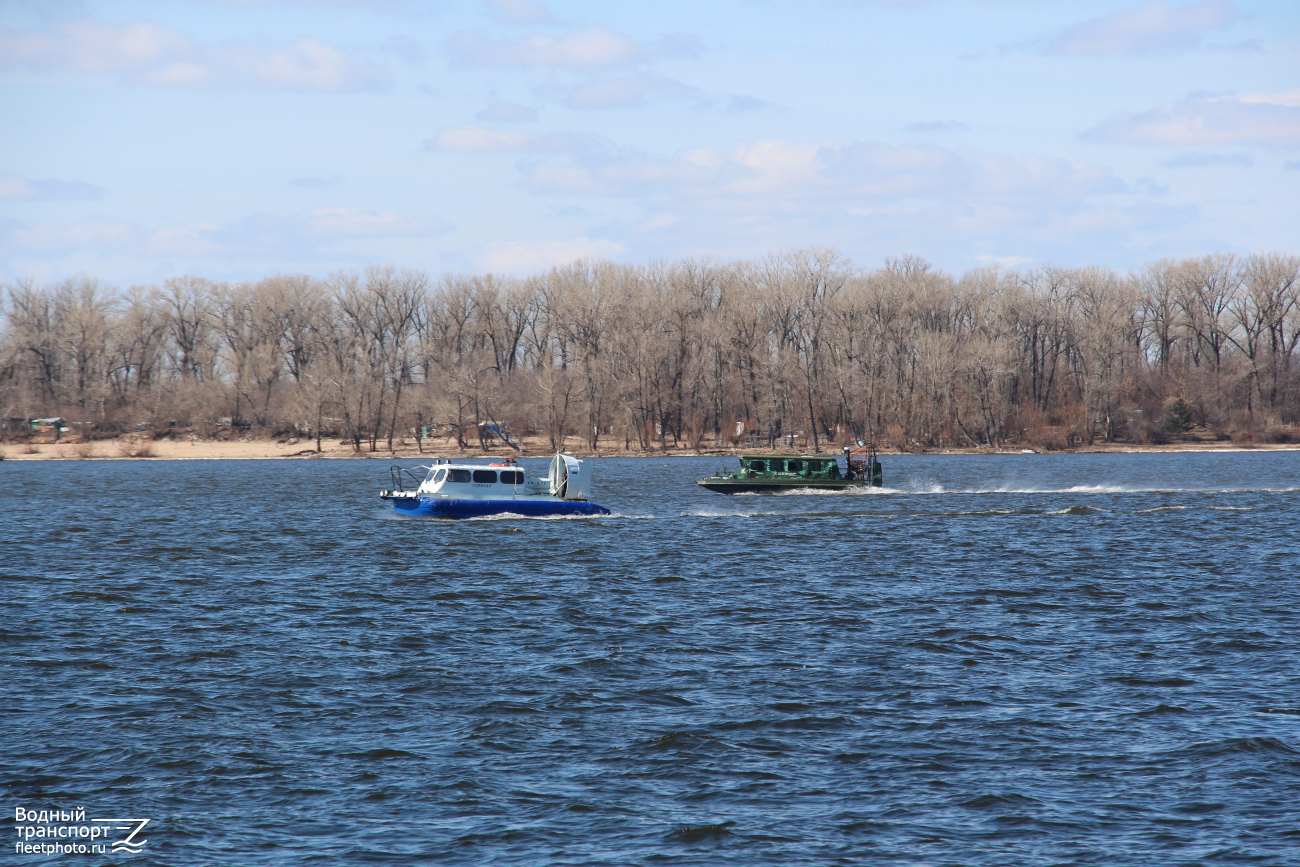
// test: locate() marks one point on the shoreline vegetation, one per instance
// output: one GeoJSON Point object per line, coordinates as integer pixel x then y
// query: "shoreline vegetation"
{"type": "Point", "coordinates": [801, 351]}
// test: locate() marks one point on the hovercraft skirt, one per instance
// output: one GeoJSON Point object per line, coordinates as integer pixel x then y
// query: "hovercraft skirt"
{"type": "Point", "coordinates": [437, 507]}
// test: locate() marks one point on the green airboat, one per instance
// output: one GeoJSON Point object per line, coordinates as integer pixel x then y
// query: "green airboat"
{"type": "Point", "coordinates": [764, 473]}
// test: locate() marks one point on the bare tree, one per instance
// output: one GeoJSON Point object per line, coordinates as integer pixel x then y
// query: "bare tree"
{"type": "Point", "coordinates": [673, 352]}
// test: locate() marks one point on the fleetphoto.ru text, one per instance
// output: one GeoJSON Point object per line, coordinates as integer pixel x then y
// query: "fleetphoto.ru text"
{"type": "Point", "coordinates": [69, 832]}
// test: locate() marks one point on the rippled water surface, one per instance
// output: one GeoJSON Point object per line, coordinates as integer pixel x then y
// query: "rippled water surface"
{"type": "Point", "coordinates": [1031, 660]}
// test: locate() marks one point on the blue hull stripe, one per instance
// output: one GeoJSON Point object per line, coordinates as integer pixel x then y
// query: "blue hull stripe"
{"type": "Point", "coordinates": [440, 508]}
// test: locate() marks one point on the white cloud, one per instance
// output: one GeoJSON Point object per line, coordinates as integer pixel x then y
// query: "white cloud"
{"type": "Point", "coordinates": [198, 239]}
{"type": "Point", "coordinates": [349, 222]}
{"type": "Point", "coordinates": [566, 180]}
{"type": "Point", "coordinates": [44, 239]}
{"type": "Point", "coordinates": [1290, 99]}
{"type": "Point", "coordinates": [405, 49]}
{"type": "Point", "coordinates": [306, 65]}
{"type": "Point", "coordinates": [318, 228]}
{"type": "Point", "coordinates": [866, 196]}
{"type": "Point", "coordinates": [738, 102]}
{"type": "Point", "coordinates": [143, 53]}
{"type": "Point", "coordinates": [1200, 160]}
{"type": "Point", "coordinates": [507, 112]}
{"type": "Point", "coordinates": [523, 257]}
{"type": "Point", "coordinates": [94, 46]}
{"type": "Point", "coordinates": [484, 140]}
{"type": "Point", "coordinates": [1262, 119]}
{"type": "Point", "coordinates": [1153, 28]}
{"type": "Point", "coordinates": [784, 174]}
{"type": "Point", "coordinates": [313, 230]}
{"type": "Point", "coordinates": [1003, 261]}
{"type": "Point", "coordinates": [316, 181]}
{"type": "Point", "coordinates": [627, 92]}
{"type": "Point", "coordinates": [1150, 187]}
{"type": "Point", "coordinates": [938, 126]}
{"type": "Point", "coordinates": [589, 48]}
{"type": "Point", "coordinates": [520, 12]}
{"type": "Point", "coordinates": [13, 188]}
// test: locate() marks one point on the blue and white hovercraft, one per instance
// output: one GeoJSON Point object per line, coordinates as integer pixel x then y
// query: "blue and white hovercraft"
{"type": "Point", "coordinates": [455, 490]}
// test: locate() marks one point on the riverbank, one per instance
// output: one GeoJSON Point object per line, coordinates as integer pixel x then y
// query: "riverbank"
{"type": "Point", "coordinates": [142, 448]}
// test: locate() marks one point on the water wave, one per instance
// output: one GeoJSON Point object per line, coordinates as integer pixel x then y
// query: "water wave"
{"type": "Point", "coordinates": [935, 488]}
{"type": "Point", "coordinates": [948, 673]}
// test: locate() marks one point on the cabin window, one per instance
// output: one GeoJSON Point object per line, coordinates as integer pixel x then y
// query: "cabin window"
{"type": "Point", "coordinates": [439, 476]}
{"type": "Point", "coordinates": [485, 477]}
{"type": "Point", "coordinates": [758, 466]}
{"type": "Point", "coordinates": [796, 466]}
{"type": "Point", "coordinates": [458, 476]}
{"type": "Point", "coordinates": [512, 477]}
{"type": "Point", "coordinates": [777, 466]}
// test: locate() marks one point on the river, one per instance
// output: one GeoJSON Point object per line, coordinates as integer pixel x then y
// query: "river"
{"type": "Point", "coordinates": [1018, 659]}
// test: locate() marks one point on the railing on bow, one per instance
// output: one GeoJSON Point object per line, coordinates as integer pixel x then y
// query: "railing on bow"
{"type": "Point", "coordinates": [404, 479]}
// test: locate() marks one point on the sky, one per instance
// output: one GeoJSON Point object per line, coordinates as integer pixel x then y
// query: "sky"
{"type": "Point", "coordinates": [237, 139]}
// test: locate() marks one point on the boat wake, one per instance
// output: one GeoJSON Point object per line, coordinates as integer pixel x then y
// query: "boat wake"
{"type": "Point", "coordinates": [386, 515]}
{"type": "Point", "coordinates": [515, 516]}
{"type": "Point", "coordinates": [928, 488]}
{"type": "Point", "coordinates": [934, 488]}
{"type": "Point", "coordinates": [949, 513]}
{"type": "Point", "coordinates": [862, 491]}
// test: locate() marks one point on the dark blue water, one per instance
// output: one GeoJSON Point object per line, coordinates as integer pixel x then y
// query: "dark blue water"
{"type": "Point", "coordinates": [1030, 660]}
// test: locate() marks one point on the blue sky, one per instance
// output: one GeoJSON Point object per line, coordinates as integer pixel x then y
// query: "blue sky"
{"type": "Point", "coordinates": [234, 140]}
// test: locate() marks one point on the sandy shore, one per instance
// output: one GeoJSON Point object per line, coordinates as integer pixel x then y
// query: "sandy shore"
{"type": "Point", "coordinates": [151, 449]}
{"type": "Point", "coordinates": [133, 448]}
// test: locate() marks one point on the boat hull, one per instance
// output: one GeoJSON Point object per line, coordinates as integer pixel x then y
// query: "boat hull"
{"type": "Point", "coordinates": [438, 507]}
{"type": "Point", "coordinates": [772, 486]}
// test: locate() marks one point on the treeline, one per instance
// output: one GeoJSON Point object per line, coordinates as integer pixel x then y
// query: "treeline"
{"type": "Point", "coordinates": [682, 353]}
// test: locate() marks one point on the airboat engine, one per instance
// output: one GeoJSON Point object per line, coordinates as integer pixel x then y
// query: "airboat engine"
{"type": "Point", "coordinates": [568, 481]}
